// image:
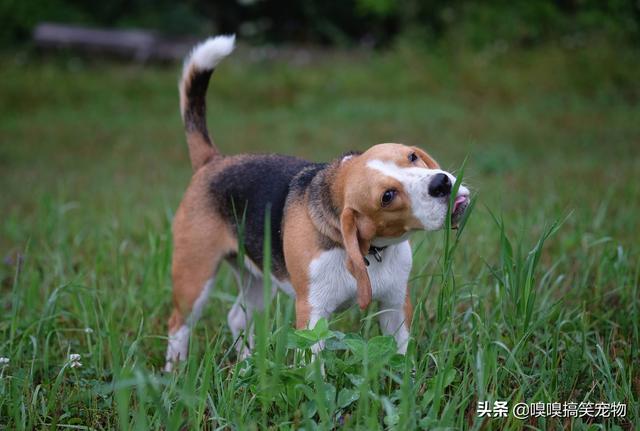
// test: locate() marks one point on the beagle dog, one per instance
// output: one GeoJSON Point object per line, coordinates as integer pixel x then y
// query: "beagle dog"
{"type": "Point", "coordinates": [339, 230]}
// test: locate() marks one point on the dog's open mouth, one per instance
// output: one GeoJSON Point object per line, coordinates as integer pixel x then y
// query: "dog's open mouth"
{"type": "Point", "coordinates": [457, 211]}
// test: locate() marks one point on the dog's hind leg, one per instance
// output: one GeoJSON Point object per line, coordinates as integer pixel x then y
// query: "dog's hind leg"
{"type": "Point", "coordinates": [240, 318]}
{"type": "Point", "coordinates": [201, 241]}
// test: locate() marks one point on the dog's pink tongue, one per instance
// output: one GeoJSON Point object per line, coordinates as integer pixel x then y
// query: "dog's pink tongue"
{"type": "Point", "coordinates": [457, 202]}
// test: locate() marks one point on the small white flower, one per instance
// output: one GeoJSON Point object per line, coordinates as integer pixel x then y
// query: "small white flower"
{"type": "Point", "coordinates": [88, 330]}
{"type": "Point", "coordinates": [4, 361]}
{"type": "Point", "coordinates": [74, 360]}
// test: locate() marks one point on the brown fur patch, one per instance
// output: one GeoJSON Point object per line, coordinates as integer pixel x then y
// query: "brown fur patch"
{"type": "Point", "coordinates": [300, 248]}
{"type": "Point", "coordinates": [356, 244]}
{"type": "Point", "coordinates": [201, 239]}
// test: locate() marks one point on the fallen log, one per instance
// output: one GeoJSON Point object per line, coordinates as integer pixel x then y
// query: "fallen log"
{"type": "Point", "coordinates": [139, 45]}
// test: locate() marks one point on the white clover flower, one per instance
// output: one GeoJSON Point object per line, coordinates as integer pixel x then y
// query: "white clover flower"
{"type": "Point", "coordinates": [88, 330]}
{"type": "Point", "coordinates": [74, 360]}
{"type": "Point", "coordinates": [4, 361]}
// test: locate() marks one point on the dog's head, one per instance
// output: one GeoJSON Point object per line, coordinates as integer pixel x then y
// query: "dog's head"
{"type": "Point", "coordinates": [393, 189]}
{"type": "Point", "coordinates": [389, 191]}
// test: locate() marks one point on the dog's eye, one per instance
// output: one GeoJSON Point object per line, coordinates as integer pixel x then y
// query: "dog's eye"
{"type": "Point", "coordinates": [413, 157]}
{"type": "Point", "coordinates": [387, 197]}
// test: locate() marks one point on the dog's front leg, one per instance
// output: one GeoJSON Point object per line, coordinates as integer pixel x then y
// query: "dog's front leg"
{"type": "Point", "coordinates": [395, 319]}
{"type": "Point", "coordinates": [307, 317]}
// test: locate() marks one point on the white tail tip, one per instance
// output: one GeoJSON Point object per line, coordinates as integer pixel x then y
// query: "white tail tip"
{"type": "Point", "coordinates": [207, 55]}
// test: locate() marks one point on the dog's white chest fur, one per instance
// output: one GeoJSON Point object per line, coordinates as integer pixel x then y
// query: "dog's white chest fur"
{"type": "Point", "coordinates": [331, 285]}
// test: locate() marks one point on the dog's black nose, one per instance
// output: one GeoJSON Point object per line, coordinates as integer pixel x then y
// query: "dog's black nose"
{"type": "Point", "coordinates": [440, 186]}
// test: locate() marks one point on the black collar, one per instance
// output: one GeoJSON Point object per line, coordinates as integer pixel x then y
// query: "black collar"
{"type": "Point", "coordinates": [376, 252]}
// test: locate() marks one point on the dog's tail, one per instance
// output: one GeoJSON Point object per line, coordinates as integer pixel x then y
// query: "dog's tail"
{"type": "Point", "coordinates": [198, 67]}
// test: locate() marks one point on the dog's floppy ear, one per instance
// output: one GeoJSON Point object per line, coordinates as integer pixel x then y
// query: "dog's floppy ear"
{"type": "Point", "coordinates": [357, 246]}
{"type": "Point", "coordinates": [426, 158]}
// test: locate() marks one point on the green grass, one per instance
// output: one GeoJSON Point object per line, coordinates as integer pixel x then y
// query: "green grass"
{"type": "Point", "coordinates": [536, 300]}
